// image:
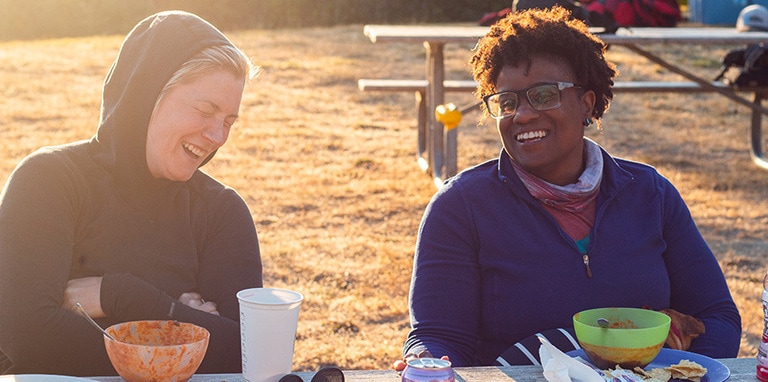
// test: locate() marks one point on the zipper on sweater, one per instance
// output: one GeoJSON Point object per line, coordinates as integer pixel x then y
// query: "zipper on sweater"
{"type": "Point", "coordinates": [585, 259]}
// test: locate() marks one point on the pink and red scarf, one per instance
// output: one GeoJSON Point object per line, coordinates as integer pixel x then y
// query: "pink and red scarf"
{"type": "Point", "coordinates": [573, 205]}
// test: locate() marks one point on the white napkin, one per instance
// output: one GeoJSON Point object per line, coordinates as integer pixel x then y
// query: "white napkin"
{"type": "Point", "coordinates": [559, 367]}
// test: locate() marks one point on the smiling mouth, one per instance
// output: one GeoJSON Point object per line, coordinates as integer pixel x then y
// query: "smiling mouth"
{"type": "Point", "coordinates": [194, 150]}
{"type": "Point", "coordinates": [530, 136]}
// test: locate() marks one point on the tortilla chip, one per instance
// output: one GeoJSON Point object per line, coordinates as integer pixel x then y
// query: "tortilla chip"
{"type": "Point", "coordinates": [641, 372]}
{"type": "Point", "coordinates": [686, 369]}
{"type": "Point", "coordinates": [625, 375]}
{"type": "Point", "coordinates": [662, 374]}
{"type": "Point", "coordinates": [653, 375]}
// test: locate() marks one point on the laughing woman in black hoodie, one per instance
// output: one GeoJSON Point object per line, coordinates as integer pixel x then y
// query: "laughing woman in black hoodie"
{"type": "Point", "coordinates": [126, 223]}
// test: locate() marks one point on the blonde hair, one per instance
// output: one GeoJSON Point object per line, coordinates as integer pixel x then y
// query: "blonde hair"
{"type": "Point", "coordinates": [208, 60]}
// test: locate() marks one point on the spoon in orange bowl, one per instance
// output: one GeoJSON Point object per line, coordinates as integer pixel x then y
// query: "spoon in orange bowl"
{"type": "Point", "coordinates": [88, 317]}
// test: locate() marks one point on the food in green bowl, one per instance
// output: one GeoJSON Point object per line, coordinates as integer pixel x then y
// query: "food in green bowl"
{"type": "Point", "coordinates": [632, 339]}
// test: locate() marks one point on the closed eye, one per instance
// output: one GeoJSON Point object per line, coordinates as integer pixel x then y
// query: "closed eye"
{"type": "Point", "coordinates": [205, 111]}
{"type": "Point", "coordinates": [209, 109]}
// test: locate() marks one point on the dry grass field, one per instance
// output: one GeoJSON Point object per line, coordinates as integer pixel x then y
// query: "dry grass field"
{"type": "Point", "coordinates": [331, 178]}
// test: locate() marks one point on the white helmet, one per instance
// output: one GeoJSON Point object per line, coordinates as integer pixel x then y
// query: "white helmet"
{"type": "Point", "coordinates": [753, 18]}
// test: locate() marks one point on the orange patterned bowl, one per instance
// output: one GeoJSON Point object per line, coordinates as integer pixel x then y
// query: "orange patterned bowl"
{"type": "Point", "coordinates": [156, 350]}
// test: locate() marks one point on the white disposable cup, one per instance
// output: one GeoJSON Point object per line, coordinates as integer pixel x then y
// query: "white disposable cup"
{"type": "Point", "coordinates": [268, 320]}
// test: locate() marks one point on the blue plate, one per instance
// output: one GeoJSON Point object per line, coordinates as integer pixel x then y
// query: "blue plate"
{"type": "Point", "coordinates": [716, 371]}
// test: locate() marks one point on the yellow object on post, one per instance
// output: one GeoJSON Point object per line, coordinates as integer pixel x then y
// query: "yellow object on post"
{"type": "Point", "coordinates": [448, 115]}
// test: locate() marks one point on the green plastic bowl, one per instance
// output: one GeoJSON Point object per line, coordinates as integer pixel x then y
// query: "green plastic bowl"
{"type": "Point", "coordinates": [633, 338]}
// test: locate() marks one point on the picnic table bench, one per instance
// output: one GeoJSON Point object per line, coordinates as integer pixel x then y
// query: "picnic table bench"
{"type": "Point", "coordinates": [436, 150]}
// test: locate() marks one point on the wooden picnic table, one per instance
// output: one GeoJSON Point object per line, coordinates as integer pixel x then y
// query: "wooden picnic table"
{"type": "Point", "coordinates": [441, 146]}
{"type": "Point", "coordinates": [742, 370]}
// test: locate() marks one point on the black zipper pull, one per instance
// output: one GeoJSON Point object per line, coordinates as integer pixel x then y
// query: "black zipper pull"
{"type": "Point", "coordinates": [586, 264]}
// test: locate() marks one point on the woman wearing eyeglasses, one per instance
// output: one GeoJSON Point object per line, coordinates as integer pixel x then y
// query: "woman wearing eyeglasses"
{"type": "Point", "coordinates": [515, 246]}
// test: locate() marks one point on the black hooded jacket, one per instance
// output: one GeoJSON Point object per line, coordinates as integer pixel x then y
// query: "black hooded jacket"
{"type": "Point", "coordinates": [92, 208]}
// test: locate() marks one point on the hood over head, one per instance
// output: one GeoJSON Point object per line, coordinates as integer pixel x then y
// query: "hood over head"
{"type": "Point", "coordinates": [150, 54]}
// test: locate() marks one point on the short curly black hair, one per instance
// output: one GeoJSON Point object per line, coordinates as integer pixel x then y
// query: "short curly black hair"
{"type": "Point", "coordinates": [521, 35]}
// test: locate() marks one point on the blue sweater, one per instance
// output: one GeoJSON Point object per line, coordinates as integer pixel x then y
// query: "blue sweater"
{"type": "Point", "coordinates": [493, 267]}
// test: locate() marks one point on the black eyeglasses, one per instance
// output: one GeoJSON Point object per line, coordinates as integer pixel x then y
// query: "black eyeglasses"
{"type": "Point", "coordinates": [541, 96]}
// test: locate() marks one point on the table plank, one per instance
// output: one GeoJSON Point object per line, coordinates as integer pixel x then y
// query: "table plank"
{"type": "Point", "coordinates": [441, 34]}
{"type": "Point", "coordinates": [742, 370]}
{"type": "Point", "coordinates": [692, 35]}
{"type": "Point", "coordinates": [444, 34]}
